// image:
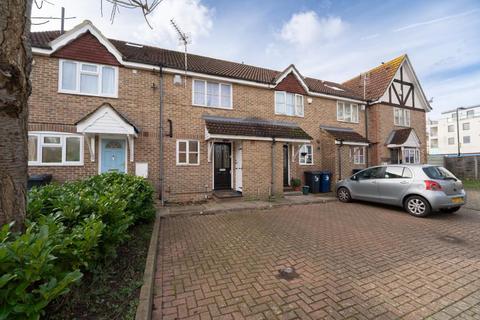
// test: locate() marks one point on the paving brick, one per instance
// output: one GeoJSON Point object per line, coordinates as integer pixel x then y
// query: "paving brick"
{"type": "Point", "coordinates": [355, 261]}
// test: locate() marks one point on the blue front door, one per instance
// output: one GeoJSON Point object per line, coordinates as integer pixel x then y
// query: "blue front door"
{"type": "Point", "coordinates": [113, 155]}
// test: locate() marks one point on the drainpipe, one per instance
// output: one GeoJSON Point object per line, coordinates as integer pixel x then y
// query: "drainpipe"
{"type": "Point", "coordinates": [162, 178]}
{"type": "Point", "coordinates": [366, 136]}
{"type": "Point", "coordinates": [340, 160]}
{"type": "Point", "coordinates": [272, 183]}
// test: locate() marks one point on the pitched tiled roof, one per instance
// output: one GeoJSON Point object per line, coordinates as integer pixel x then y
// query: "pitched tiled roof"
{"type": "Point", "coordinates": [175, 59]}
{"type": "Point", "coordinates": [345, 134]}
{"type": "Point", "coordinates": [254, 128]}
{"type": "Point", "coordinates": [399, 136]}
{"type": "Point", "coordinates": [377, 81]}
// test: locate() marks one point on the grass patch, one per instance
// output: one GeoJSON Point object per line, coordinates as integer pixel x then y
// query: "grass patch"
{"type": "Point", "coordinates": [112, 290]}
{"type": "Point", "coordinates": [471, 184]}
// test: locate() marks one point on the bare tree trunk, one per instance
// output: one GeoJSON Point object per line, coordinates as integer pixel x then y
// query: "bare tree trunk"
{"type": "Point", "coordinates": [15, 66]}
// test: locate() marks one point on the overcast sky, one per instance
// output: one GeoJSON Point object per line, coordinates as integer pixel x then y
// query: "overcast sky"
{"type": "Point", "coordinates": [328, 40]}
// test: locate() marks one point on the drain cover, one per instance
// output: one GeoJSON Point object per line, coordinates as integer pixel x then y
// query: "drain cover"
{"type": "Point", "coordinates": [451, 239]}
{"type": "Point", "coordinates": [287, 273]}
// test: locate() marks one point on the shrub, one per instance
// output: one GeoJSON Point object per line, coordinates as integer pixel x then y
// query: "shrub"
{"type": "Point", "coordinates": [295, 183]}
{"type": "Point", "coordinates": [71, 227]}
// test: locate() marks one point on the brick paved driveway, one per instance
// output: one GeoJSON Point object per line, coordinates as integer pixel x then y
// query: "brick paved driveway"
{"type": "Point", "coordinates": [354, 260]}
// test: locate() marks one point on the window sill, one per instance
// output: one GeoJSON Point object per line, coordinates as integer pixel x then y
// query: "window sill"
{"type": "Point", "coordinates": [289, 115]}
{"type": "Point", "coordinates": [357, 122]}
{"type": "Point", "coordinates": [187, 165]}
{"type": "Point", "coordinates": [306, 164]}
{"type": "Point", "coordinates": [211, 107]}
{"type": "Point", "coordinates": [88, 94]}
{"type": "Point", "coordinates": [55, 164]}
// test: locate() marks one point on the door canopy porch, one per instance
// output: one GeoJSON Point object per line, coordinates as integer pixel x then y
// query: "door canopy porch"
{"type": "Point", "coordinates": [403, 138]}
{"type": "Point", "coordinates": [105, 120]}
{"type": "Point", "coordinates": [253, 129]}
{"type": "Point", "coordinates": [346, 136]}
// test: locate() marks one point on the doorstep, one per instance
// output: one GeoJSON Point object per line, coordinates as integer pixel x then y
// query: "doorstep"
{"type": "Point", "coordinates": [213, 207]}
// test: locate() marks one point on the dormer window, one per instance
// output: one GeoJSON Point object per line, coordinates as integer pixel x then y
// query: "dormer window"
{"type": "Point", "coordinates": [289, 104]}
{"type": "Point", "coordinates": [88, 79]}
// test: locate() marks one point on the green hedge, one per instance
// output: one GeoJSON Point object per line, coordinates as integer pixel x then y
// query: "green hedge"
{"type": "Point", "coordinates": [71, 228]}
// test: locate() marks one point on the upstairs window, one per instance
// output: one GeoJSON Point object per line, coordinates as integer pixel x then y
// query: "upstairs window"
{"type": "Point", "coordinates": [289, 104]}
{"type": "Point", "coordinates": [306, 154]}
{"type": "Point", "coordinates": [212, 94]}
{"type": "Point", "coordinates": [45, 148]}
{"type": "Point", "coordinates": [466, 126]}
{"type": "Point", "coordinates": [347, 112]}
{"type": "Point", "coordinates": [401, 117]}
{"type": "Point", "coordinates": [470, 113]}
{"type": "Point", "coordinates": [451, 128]}
{"type": "Point", "coordinates": [88, 78]}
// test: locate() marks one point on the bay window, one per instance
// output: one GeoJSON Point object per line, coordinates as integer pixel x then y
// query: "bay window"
{"type": "Point", "coordinates": [188, 152]}
{"type": "Point", "coordinates": [289, 104]}
{"type": "Point", "coordinates": [347, 112]}
{"type": "Point", "coordinates": [45, 148]}
{"type": "Point", "coordinates": [88, 78]}
{"type": "Point", "coordinates": [212, 94]}
{"type": "Point", "coordinates": [401, 117]}
{"type": "Point", "coordinates": [411, 155]}
{"type": "Point", "coordinates": [306, 154]}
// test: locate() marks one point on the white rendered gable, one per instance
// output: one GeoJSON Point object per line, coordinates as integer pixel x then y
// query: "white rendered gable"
{"type": "Point", "coordinates": [107, 121]}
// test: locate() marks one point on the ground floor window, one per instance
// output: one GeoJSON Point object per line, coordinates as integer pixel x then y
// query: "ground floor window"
{"type": "Point", "coordinates": [411, 155]}
{"type": "Point", "coordinates": [306, 154]}
{"type": "Point", "coordinates": [188, 152]}
{"type": "Point", "coordinates": [53, 148]}
{"type": "Point", "coordinates": [358, 155]}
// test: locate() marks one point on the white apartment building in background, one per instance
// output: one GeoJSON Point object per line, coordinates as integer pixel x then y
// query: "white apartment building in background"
{"type": "Point", "coordinates": [444, 133]}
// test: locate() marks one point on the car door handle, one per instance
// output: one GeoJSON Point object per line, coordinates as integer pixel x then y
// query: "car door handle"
{"type": "Point", "coordinates": [403, 182]}
{"type": "Point", "coordinates": [374, 182]}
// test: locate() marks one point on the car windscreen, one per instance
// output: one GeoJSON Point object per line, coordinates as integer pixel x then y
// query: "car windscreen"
{"type": "Point", "coordinates": [438, 173]}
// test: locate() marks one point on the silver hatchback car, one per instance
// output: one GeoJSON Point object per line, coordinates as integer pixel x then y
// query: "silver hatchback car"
{"type": "Point", "coordinates": [420, 189]}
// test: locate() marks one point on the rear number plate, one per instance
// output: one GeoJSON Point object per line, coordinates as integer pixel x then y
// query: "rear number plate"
{"type": "Point", "coordinates": [457, 200]}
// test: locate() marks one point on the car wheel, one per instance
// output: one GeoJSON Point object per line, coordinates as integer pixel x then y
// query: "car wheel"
{"type": "Point", "coordinates": [417, 206]}
{"type": "Point", "coordinates": [451, 210]}
{"type": "Point", "coordinates": [344, 195]}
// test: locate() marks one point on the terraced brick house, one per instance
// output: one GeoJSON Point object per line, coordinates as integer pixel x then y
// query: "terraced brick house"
{"type": "Point", "coordinates": [101, 105]}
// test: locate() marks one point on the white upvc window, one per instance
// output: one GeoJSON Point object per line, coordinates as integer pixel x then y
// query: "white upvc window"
{"type": "Point", "coordinates": [188, 152]}
{"type": "Point", "coordinates": [212, 94]}
{"type": "Point", "coordinates": [289, 104]}
{"type": "Point", "coordinates": [347, 112]}
{"type": "Point", "coordinates": [358, 155]}
{"type": "Point", "coordinates": [88, 79]}
{"type": "Point", "coordinates": [306, 154]}
{"type": "Point", "coordinates": [401, 117]}
{"type": "Point", "coordinates": [411, 155]}
{"type": "Point", "coordinates": [54, 149]}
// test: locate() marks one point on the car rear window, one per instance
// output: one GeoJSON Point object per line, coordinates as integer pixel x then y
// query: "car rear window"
{"type": "Point", "coordinates": [439, 173]}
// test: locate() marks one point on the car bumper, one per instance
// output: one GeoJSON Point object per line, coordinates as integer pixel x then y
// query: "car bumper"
{"type": "Point", "coordinates": [440, 200]}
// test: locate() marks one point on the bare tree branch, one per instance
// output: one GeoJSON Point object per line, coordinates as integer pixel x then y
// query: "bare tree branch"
{"type": "Point", "coordinates": [146, 6]}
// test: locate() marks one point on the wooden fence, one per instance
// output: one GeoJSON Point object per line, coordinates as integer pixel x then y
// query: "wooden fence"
{"type": "Point", "coordinates": [464, 167]}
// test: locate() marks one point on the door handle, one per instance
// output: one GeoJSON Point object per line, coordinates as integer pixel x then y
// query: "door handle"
{"type": "Point", "coordinates": [374, 182]}
{"type": "Point", "coordinates": [403, 182]}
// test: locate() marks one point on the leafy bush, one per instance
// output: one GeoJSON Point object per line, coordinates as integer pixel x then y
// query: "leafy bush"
{"type": "Point", "coordinates": [71, 227]}
{"type": "Point", "coordinates": [295, 182]}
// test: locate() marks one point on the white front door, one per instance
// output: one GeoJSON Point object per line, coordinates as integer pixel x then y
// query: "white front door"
{"type": "Point", "coordinates": [238, 167]}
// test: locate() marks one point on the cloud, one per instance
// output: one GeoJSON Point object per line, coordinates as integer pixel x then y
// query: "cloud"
{"type": "Point", "coordinates": [193, 17]}
{"type": "Point", "coordinates": [424, 23]}
{"type": "Point", "coordinates": [304, 28]}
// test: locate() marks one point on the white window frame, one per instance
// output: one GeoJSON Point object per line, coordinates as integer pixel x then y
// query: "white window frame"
{"type": "Point", "coordinates": [358, 158]}
{"type": "Point", "coordinates": [469, 140]}
{"type": "Point", "coordinates": [347, 105]}
{"type": "Point", "coordinates": [468, 126]}
{"type": "Point", "coordinates": [448, 141]}
{"type": "Point", "coordinates": [187, 150]}
{"type": "Point", "coordinates": [297, 112]}
{"type": "Point", "coordinates": [205, 94]}
{"type": "Point", "coordinates": [305, 162]}
{"type": "Point", "coordinates": [403, 118]}
{"type": "Point", "coordinates": [410, 151]}
{"type": "Point", "coordinates": [41, 134]}
{"type": "Point", "coordinates": [450, 126]}
{"type": "Point", "coordinates": [79, 71]}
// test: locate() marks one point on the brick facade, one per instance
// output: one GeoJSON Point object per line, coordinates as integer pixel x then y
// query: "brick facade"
{"type": "Point", "coordinates": [138, 100]}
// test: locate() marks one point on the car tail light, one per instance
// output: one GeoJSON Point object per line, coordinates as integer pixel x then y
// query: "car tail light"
{"type": "Point", "coordinates": [432, 185]}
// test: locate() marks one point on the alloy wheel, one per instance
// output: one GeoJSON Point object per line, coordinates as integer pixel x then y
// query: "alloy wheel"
{"type": "Point", "coordinates": [416, 206]}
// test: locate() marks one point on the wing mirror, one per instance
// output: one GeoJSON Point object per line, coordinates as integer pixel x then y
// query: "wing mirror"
{"type": "Point", "coordinates": [354, 178]}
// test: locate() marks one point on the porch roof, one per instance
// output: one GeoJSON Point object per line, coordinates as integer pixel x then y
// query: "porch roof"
{"type": "Point", "coordinates": [346, 135]}
{"type": "Point", "coordinates": [254, 129]}
{"type": "Point", "coordinates": [403, 137]}
{"type": "Point", "coordinates": [106, 119]}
